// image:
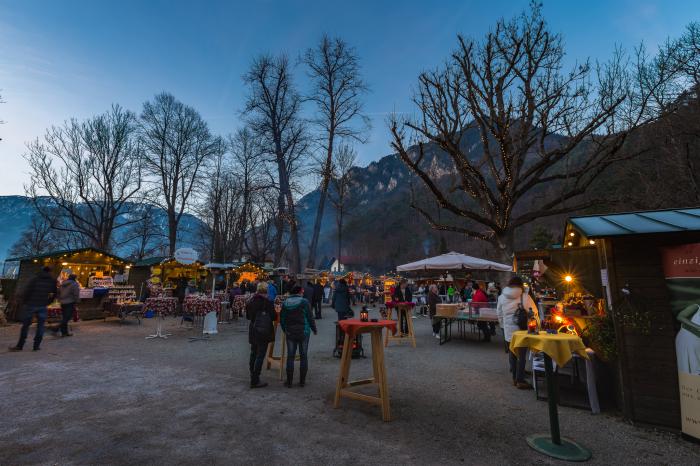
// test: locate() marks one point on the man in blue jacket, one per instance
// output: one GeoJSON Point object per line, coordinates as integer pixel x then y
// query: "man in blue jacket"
{"type": "Point", "coordinates": [297, 322]}
{"type": "Point", "coordinates": [271, 291]}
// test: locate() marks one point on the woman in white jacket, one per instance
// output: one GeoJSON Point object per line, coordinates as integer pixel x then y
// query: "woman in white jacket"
{"type": "Point", "coordinates": [511, 296]}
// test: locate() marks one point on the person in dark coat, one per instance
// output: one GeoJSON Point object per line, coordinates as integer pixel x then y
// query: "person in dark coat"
{"type": "Point", "coordinates": [260, 311]}
{"type": "Point", "coordinates": [318, 300]}
{"type": "Point", "coordinates": [40, 291]}
{"type": "Point", "coordinates": [309, 292]}
{"type": "Point", "coordinates": [402, 294]}
{"type": "Point", "coordinates": [341, 300]}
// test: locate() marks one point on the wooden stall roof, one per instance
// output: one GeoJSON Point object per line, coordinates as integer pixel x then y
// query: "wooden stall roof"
{"type": "Point", "coordinates": [636, 223]}
{"type": "Point", "coordinates": [150, 261]}
{"type": "Point", "coordinates": [63, 252]}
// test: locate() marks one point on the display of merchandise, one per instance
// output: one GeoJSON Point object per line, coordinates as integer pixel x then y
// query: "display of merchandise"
{"type": "Point", "coordinates": [105, 282]}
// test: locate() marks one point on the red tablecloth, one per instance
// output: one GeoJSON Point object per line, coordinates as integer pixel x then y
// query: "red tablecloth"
{"type": "Point", "coordinates": [165, 306]}
{"type": "Point", "coordinates": [201, 305]}
{"type": "Point", "coordinates": [353, 326]}
{"type": "Point", "coordinates": [391, 304]}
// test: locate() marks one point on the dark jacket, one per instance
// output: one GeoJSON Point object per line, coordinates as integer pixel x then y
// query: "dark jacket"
{"type": "Point", "coordinates": [296, 310]}
{"type": "Point", "coordinates": [309, 292]}
{"type": "Point", "coordinates": [40, 290]}
{"type": "Point", "coordinates": [69, 292]}
{"type": "Point", "coordinates": [402, 296]}
{"type": "Point", "coordinates": [256, 305]}
{"type": "Point", "coordinates": [341, 300]}
{"type": "Point", "coordinates": [318, 293]}
{"type": "Point", "coordinates": [433, 300]}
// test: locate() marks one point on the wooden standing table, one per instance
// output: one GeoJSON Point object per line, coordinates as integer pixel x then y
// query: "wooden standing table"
{"type": "Point", "coordinates": [405, 310]}
{"type": "Point", "coordinates": [351, 328]}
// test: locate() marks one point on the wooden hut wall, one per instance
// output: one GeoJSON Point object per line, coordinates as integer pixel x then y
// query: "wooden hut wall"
{"type": "Point", "coordinates": [648, 368]}
{"type": "Point", "coordinates": [138, 276]}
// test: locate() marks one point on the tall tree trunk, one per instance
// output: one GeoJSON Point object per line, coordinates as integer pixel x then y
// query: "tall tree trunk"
{"type": "Point", "coordinates": [293, 232]}
{"type": "Point", "coordinates": [340, 234]}
{"type": "Point", "coordinates": [279, 228]}
{"type": "Point", "coordinates": [311, 261]}
{"type": "Point", "coordinates": [172, 233]}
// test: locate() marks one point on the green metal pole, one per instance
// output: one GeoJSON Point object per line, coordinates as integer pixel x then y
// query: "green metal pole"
{"type": "Point", "coordinates": [552, 400]}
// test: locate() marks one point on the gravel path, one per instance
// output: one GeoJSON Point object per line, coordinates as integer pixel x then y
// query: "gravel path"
{"type": "Point", "coordinates": [108, 396]}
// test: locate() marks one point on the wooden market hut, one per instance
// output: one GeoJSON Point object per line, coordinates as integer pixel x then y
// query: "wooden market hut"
{"type": "Point", "coordinates": [629, 249]}
{"type": "Point", "coordinates": [249, 272]}
{"type": "Point", "coordinates": [89, 264]}
{"type": "Point", "coordinates": [168, 271]}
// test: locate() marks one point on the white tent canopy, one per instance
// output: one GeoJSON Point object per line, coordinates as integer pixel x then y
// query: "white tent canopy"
{"type": "Point", "coordinates": [453, 261]}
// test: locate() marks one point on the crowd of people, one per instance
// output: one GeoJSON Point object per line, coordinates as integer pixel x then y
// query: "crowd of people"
{"type": "Point", "coordinates": [300, 309]}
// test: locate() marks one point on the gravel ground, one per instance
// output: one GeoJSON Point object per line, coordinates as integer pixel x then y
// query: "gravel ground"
{"type": "Point", "coordinates": [108, 396]}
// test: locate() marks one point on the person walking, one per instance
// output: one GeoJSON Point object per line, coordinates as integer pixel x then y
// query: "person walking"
{"type": "Point", "coordinates": [297, 322]}
{"type": "Point", "coordinates": [318, 300]}
{"type": "Point", "coordinates": [341, 300]}
{"type": "Point", "coordinates": [68, 296]}
{"type": "Point", "coordinates": [40, 291]}
{"type": "Point", "coordinates": [261, 313]}
{"type": "Point", "coordinates": [513, 297]}
{"type": "Point", "coordinates": [433, 300]}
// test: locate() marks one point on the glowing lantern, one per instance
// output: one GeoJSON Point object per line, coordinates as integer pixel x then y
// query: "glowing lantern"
{"type": "Point", "coordinates": [364, 315]}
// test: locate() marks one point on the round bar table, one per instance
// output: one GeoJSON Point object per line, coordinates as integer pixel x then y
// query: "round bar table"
{"type": "Point", "coordinates": [351, 328]}
{"type": "Point", "coordinates": [559, 347]}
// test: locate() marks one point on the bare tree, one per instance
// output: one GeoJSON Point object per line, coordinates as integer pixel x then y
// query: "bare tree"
{"type": "Point", "coordinates": [334, 70]}
{"type": "Point", "coordinates": [89, 171]}
{"type": "Point", "coordinates": [223, 210]}
{"type": "Point", "coordinates": [144, 237]}
{"type": "Point", "coordinates": [260, 238]}
{"type": "Point", "coordinates": [246, 159]}
{"type": "Point", "coordinates": [539, 128]}
{"type": "Point", "coordinates": [273, 113]}
{"type": "Point", "coordinates": [177, 146]}
{"type": "Point", "coordinates": [342, 181]}
{"type": "Point", "coordinates": [37, 238]}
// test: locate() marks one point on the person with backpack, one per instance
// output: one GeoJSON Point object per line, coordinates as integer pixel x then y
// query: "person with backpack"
{"type": "Point", "coordinates": [261, 313]}
{"type": "Point", "coordinates": [513, 304]}
{"type": "Point", "coordinates": [40, 291]}
{"type": "Point", "coordinates": [297, 322]}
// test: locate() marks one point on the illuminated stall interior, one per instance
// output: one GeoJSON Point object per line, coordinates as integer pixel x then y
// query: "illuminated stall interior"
{"type": "Point", "coordinates": [249, 272]}
{"type": "Point", "coordinates": [99, 274]}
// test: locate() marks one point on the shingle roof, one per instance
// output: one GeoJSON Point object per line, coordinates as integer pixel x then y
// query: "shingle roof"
{"type": "Point", "coordinates": [637, 223]}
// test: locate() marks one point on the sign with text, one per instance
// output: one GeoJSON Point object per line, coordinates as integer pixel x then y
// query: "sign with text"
{"type": "Point", "coordinates": [186, 256]}
{"type": "Point", "coordinates": [682, 272]}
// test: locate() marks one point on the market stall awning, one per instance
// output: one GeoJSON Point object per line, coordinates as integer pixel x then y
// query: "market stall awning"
{"type": "Point", "coordinates": [453, 261]}
{"type": "Point", "coordinates": [634, 223]}
{"type": "Point", "coordinates": [219, 265]}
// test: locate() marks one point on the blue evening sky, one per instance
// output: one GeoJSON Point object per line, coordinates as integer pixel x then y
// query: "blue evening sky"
{"type": "Point", "coordinates": [62, 59]}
